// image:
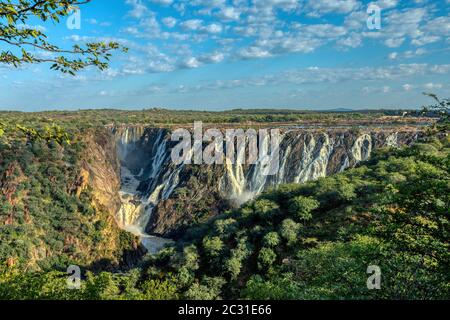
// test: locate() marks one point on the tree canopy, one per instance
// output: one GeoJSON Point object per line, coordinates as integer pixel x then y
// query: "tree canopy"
{"type": "Point", "coordinates": [25, 43]}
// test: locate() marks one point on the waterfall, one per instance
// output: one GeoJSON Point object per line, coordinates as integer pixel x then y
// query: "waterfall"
{"type": "Point", "coordinates": [362, 148]}
{"type": "Point", "coordinates": [137, 169]}
{"type": "Point", "coordinates": [149, 177]}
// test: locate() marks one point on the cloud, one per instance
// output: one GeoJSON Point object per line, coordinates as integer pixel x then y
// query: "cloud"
{"type": "Point", "coordinates": [254, 52]}
{"type": "Point", "coordinates": [316, 75]}
{"type": "Point", "coordinates": [214, 57]}
{"type": "Point", "coordinates": [249, 29]}
{"type": "Point", "coordinates": [191, 25]}
{"type": "Point", "coordinates": [169, 22]}
{"type": "Point", "coordinates": [319, 8]}
{"type": "Point", "coordinates": [407, 87]}
{"type": "Point", "coordinates": [229, 13]}
{"type": "Point", "coordinates": [162, 2]}
{"type": "Point", "coordinates": [138, 9]}
{"type": "Point", "coordinates": [190, 63]}
{"type": "Point", "coordinates": [432, 86]}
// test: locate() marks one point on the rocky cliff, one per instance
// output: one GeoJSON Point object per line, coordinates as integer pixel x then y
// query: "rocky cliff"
{"type": "Point", "coordinates": [159, 197]}
{"type": "Point", "coordinates": [100, 173]}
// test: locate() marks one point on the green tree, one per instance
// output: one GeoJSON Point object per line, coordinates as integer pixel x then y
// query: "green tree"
{"type": "Point", "coordinates": [191, 258]}
{"type": "Point", "coordinates": [302, 207]}
{"type": "Point", "coordinates": [21, 39]}
{"type": "Point", "coordinates": [234, 267]}
{"type": "Point", "coordinates": [213, 246]}
{"type": "Point", "coordinates": [271, 239]}
{"type": "Point", "coordinates": [289, 230]}
{"type": "Point", "coordinates": [441, 108]}
{"type": "Point", "coordinates": [265, 208]}
{"type": "Point", "coordinates": [159, 290]}
{"type": "Point", "coordinates": [266, 258]}
{"type": "Point", "coordinates": [208, 289]}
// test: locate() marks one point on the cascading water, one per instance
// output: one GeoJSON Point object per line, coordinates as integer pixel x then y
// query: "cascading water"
{"type": "Point", "coordinates": [138, 168]}
{"type": "Point", "coordinates": [149, 176]}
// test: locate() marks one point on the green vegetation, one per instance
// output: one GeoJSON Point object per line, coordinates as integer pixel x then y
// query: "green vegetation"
{"type": "Point", "coordinates": [299, 241]}
{"type": "Point", "coordinates": [310, 241]}
{"type": "Point", "coordinates": [21, 39]}
{"type": "Point", "coordinates": [47, 221]}
{"type": "Point", "coordinates": [84, 119]}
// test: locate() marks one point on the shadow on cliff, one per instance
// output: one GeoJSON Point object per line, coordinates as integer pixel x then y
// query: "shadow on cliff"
{"type": "Point", "coordinates": [130, 259]}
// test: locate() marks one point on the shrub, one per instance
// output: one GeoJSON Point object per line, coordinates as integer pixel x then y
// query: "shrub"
{"type": "Point", "coordinates": [302, 207]}
{"type": "Point", "coordinates": [271, 239]}
{"type": "Point", "coordinates": [289, 230]}
{"type": "Point", "coordinates": [266, 258]}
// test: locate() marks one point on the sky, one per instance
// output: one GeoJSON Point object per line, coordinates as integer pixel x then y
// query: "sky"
{"type": "Point", "coordinates": [226, 54]}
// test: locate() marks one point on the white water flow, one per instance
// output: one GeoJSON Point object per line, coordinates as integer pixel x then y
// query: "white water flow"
{"type": "Point", "coordinates": [149, 177]}
{"type": "Point", "coordinates": [137, 206]}
{"type": "Point", "coordinates": [304, 156]}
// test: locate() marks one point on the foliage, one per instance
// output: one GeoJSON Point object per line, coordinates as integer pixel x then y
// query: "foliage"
{"type": "Point", "coordinates": [440, 109]}
{"type": "Point", "coordinates": [22, 39]}
{"type": "Point", "coordinates": [302, 207]}
{"type": "Point", "coordinates": [299, 241]}
{"type": "Point", "coordinates": [45, 223]}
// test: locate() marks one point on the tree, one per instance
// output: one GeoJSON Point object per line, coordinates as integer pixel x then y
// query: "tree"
{"type": "Point", "coordinates": [208, 289]}
{"type": "Point", "coordinates": [289, 230]}
{"type": "Point", "coordinates": [234, 266]}
{"type": "Point", "coordinates": [213, 246]}
{"type": "Point", "coordinates": [302, 207]}
{"type": "Point", "coordinates": [266, 258]}
{"type": "Point", "coordinates": [16, 17]}
{"type": "Point", "coordinates": [441, 108]}
{"type": "Point", "coordinates": [191, 258]}
{"type": "Point", "coordinates": [48, 134]}
{"type": "Point", "coordinates": [272, 239]}
{"type": "Point", "coordinates": [265, 208]}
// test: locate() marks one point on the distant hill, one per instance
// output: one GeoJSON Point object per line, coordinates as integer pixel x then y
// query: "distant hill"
{"type": "Point", "coordinates": [339, 110]}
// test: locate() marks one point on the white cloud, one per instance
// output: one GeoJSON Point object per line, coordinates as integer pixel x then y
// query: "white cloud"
{"type": "Point", "coordinates": [431, 86]}
{"type": "Point", "coordinates": [213, 28]}
{"type": "Point", "coordinates": [393, 55]}
{"type": "Point", "coordinates": [191, 25]}
{"type": "Point", "coordinates": [190, 63]}
{"type": "Point", "coordinates": [138, 9]}
{"type": "Point", "coordinates": [163, 2]}
{"type": "Point", "coordinates": [407, 87]}
{"type": "Point", "coordinates": [170, 22]}
{"type": "Point", "coordinates": [214, 57]}
{"type": "Point", "coordinates": [229, 13]}
{"type": "Point", "coordinates": [254, 52]}
{"type": "Point", "coordinates": [319, 8]}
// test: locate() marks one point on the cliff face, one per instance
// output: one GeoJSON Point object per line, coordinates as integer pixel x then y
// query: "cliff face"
{"type": "Point", "coordinates": [100, 172]}
{"type": "Point", "coordinates": [161, 198]}
{"type": "Point", "coordinates": [58, 205]}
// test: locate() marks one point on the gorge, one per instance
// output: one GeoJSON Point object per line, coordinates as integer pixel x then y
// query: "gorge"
{"type": "Point", "coordinates": [161, 199]}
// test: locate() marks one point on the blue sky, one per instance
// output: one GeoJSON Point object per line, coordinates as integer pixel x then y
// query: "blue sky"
{"type": "Point", "coordinates": [222, 54]}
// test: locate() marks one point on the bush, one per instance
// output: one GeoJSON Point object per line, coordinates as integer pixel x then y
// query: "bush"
{"type": "Point", "coordinates": [266, 258]}
{"type": "Point", "coordinates": [213, 246]}
{"type": "Point", "coordinates": [289, 230]}
{"type": "Point", "coordinates": [302, 207]}
{"type": "Point", "coordinates": [271, 239]}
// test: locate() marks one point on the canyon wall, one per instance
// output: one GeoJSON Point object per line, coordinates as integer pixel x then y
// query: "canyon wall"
{"type": "Point", "coordinates": [159, 197]}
